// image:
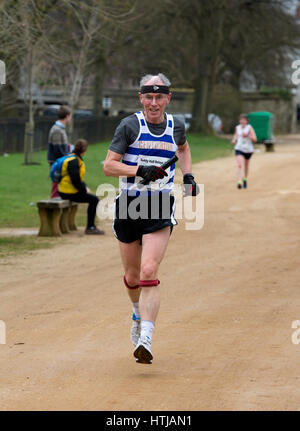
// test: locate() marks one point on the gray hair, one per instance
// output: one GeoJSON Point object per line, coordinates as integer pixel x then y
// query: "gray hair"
{"type": "Point", "coordinates": [159, 76]}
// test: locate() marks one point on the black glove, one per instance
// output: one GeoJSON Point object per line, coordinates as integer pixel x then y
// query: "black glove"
{"type": "Point", "coordinates": [151, 173]}
{"type": "Point", "coordinates": [190, 186]}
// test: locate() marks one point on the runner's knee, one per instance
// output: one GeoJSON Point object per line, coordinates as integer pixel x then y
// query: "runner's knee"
{"type": "Point", "coordinates": [149, 269]}
{"type": "Point", "coordinates": [131, 279]}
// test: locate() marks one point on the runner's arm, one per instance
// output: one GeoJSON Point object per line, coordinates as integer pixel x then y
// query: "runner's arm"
{"type": "Point", "coordinates": [191, 188]}
{"type": "Point", "coordinates": [252, 135]}
{"type": "Point", "coordinates": [113, 167]}
{"type": "Point", "coordinates": [184, 158]}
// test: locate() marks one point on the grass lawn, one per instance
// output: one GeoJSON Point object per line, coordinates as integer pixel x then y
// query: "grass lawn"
{"type": "Point", "coordinates": [22, 186]}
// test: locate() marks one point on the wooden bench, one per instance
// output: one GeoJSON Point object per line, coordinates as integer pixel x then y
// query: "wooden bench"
{"type": "Point", "coordinates": [57, 216]}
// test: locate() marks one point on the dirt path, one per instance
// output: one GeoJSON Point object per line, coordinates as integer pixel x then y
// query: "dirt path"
{"type": "Point", "coordinates": [229, 295]}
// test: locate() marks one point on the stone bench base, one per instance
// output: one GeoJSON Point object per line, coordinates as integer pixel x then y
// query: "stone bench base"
{"type": "Point", "coordinates": [57, 216]}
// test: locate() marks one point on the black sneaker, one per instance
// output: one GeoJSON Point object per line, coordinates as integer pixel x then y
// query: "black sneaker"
{"type": "Point", "coordinates": [143, 351]}
{"type": "Point", "coordinates": [239, 184]}
{"type": "Point", "coordinates": [245, 183]}
{"type": "Point", "coordinates": [94, 231]}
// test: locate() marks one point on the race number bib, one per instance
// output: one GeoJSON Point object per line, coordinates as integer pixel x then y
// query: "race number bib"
{"type": "Point", "coordinates": [156, 161]}
{"type": "Point", "coordinates": [244, 144]}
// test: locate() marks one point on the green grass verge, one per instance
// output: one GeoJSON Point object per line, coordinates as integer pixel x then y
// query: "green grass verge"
{"type": "Point", "coordinates": [10, 246]}
{"type": "Point", "coordinates": [22, 186]}
{"type": "Point", "coordinates": [208, 147]}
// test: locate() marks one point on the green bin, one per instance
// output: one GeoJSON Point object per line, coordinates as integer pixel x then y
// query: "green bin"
{"type": "Point", "coordinates": [262, 123]}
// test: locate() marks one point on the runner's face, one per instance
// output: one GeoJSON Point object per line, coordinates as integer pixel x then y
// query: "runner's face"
{"type": "Point", "coordinates": [154, 106]}
{"type": "Point", "coordinates": [243, 122]}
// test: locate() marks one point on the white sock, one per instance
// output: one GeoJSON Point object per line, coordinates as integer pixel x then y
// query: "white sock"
{"type": "Point", "coordinates": [136, 310]}
{"type": "Point", "coordinates": [147, 328]}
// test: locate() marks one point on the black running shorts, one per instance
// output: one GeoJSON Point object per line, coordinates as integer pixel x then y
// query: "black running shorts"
{"type": "Point", "coordinates": [241, 153]}
{"type": "Point", "coordinates": [137, 216]}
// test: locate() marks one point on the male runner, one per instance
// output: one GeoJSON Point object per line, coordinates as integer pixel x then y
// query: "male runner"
{"type": "Point", "coordinates": [144, 141]}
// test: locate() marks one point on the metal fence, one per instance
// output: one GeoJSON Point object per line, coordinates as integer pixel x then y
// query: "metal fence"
{"type": "Point", "coordinates": [93, 129]}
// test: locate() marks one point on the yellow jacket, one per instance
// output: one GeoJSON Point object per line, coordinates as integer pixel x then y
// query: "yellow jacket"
{"type": "Point", "coordinates": [66, 185]}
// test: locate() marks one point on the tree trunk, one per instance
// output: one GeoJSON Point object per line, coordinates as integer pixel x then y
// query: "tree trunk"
{"type": "Point", "coordinates": [199, 120]}
{"type": "Point", "coordinates": [100, 71]}
{"type": "Point", "coordinates": [76, 89]}
{"type": "Point", "coordinates": [235, 78]}
{"type": "Point", "coordinates": [80, 71]}
{"type": "Point", "coordinates": [212, 83]}
{"type": "Point", "coordinates": [29, 126]}
{"type": "Point", "coordinates": [209, 45]}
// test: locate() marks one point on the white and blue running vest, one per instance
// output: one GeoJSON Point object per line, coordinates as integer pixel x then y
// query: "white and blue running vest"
{"type": "Point", "coordinates": [149, 149]}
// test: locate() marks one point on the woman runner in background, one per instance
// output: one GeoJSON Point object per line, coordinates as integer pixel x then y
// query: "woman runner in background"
{"type": "Point", "coordinates": [243, 140]}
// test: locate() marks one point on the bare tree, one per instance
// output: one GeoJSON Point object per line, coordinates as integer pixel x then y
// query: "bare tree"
{"type": "Point", "coordinates": [205, 21]}
{"type": "Point", "coordinates": [89, 31]}
{"type": "Point", "coordinates": [47, 35]}
{"type": "Point", "coordinates": [234, 36]}
{"type": "Point", "coordinates": [259, 37]}
{"type": "Point", "coordinates": [23, 32]}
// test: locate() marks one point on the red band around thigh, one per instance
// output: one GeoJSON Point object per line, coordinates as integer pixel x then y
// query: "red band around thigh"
{"type": "Point", "coordinates": [127, 285]}
{"type": "Point", "coordinates": [149, 283]}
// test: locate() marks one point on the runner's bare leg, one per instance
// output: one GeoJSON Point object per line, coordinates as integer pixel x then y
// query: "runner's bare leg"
{"type": "Point", "coordinates": [240, 162]}
{"type": "Point", "coordinates": [246, 167]}
{"type": "Point", "coordinates": [131, 258]}
{"type": "Point", "coordinates": [153, 250]}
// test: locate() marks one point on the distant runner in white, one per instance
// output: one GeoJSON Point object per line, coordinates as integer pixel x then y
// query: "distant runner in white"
{"type": "Point", "coordinates": [243, 140]}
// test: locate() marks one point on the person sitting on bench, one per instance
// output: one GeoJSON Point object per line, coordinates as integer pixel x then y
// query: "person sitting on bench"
{"type": "Point", "coordinates": [73, 187]}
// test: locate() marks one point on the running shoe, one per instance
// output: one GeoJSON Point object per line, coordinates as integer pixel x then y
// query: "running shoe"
{"type": "Point", "coordinates": [245, 183]}
{"type": "Point", "coordinates": [135, 329]}
{"type": "Point", "coordinates": [143, 352]}
{"type": "Point", "coordinates": [239, 184]}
